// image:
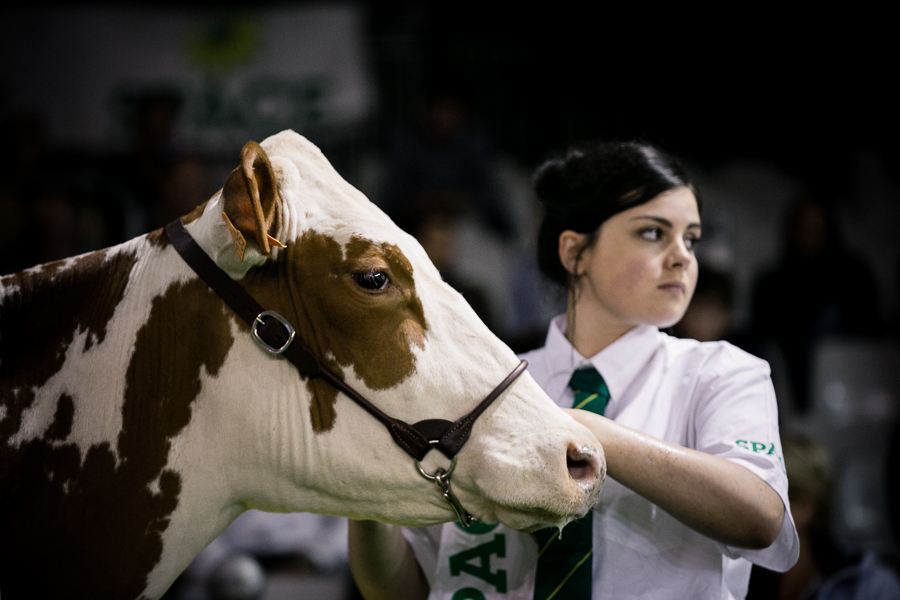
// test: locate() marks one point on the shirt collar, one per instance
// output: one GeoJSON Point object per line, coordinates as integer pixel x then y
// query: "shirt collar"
{"type": "Point", "coordinates": [619, 363]}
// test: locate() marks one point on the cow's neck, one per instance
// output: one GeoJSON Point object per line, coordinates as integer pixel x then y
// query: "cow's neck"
{"type": "Point", "coordinates": [269, 466]}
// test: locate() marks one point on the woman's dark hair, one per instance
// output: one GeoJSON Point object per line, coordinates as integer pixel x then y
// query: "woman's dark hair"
{"type": "Point", "coordinates": [589, 183]}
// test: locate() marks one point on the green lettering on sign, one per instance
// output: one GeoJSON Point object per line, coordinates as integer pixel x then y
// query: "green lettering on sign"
{"type": "Point", "coordinates": [463, 562]}
{"type": "Point", "coordinates": [468, 594]}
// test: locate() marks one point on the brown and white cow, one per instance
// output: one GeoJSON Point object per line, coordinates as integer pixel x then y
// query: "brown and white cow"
{"type": "Point", "coordinates": [138, 418]}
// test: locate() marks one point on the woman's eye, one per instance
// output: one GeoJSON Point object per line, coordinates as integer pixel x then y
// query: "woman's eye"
{"type": "Point", "coordinates": [691, 242]}
{"type": "Point", "coordinates": [653, 234]}
{"type": "Point", "coordinates": [371, 280]}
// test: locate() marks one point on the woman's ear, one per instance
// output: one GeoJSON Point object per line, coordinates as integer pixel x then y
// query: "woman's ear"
{"type": "Point", "coordinates": [571, 243]}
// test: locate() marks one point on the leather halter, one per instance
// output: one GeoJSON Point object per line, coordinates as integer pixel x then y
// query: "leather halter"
{"type": "Point", "coordinates": [275, 335]}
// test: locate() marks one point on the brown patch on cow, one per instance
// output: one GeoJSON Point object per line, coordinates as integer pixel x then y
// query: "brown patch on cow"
{"type": "Point", "coordinates": [96, 525]}
{"type": "Point", "coordinates": [364, 254]}
{"type": "Point", "coordinates": [343, 325]}
{"type": "Point", "coordinates": [324, 395]}
{"type": "Point", "coordinates": [158, 238]}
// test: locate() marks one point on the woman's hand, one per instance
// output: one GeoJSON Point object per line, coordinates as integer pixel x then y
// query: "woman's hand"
{"type": "Point", "coordinates": [383, 564]}
{"type": "Point", "coordinates": [716, 497]}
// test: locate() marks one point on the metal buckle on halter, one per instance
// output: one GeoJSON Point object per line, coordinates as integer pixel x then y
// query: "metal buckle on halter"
{"type": "Point", "coordinates": [442, 478]}
{"type": "Point", "coordinates": [262, 343]}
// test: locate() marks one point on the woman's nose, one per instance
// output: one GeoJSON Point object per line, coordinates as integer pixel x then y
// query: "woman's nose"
{"type": "Point", "coordinates": [679, 255]}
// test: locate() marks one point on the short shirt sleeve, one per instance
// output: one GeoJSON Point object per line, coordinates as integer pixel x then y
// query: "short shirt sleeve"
{"type": "Point", "coordinates": [737, 419]}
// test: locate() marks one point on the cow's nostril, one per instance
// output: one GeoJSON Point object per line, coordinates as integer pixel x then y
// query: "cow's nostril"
{"type": "Point", "coordinates": [581, 462]}
{"type": "Point", "coordinates": [578, 469]}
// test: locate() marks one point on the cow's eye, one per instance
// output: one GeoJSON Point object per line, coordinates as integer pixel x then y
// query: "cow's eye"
{"type": "Point", "coordinates": [371, 280]}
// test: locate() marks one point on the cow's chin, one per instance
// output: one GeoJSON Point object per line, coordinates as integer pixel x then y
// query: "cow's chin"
{"type": "Point", "coordinates": [528, 518]}
{"type": "Point", "coordinates": [528, 521]}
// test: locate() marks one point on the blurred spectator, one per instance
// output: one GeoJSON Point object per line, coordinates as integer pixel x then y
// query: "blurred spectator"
{"type": "Point", "coordinates": [52, 228]}
{"type": "Point", "coordinates": [11, 231]}
{"type": "Point", "coordinates": [817, 289]}
{"type": "Point", "coordinates": [710, 315]}
{"type": "Point", "coordinates": [51, 209]}
{"type": "Point", "coordinates": [535, 301]}
{"type": "Point", "coordinates": [141, 173]}
{"type": "Point", "coordinates": [44, 227]}
{"type": "Point", "coordinates": [186, 184]}
{"type": "Point", "coordinates": [436, 231]}
{"type": "Point", "coordinates": [443, 165]}
{"type": "Point", "coordinates": [825, 569]}
{"type": "Point", "coordinates": [24, 150]}
{"type": "Point", "coordinates": [22, 156]}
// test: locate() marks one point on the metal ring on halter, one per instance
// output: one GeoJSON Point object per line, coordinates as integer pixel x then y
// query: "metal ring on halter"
{"type": "Point", "coordinates": [442, 479]}
{"type": "Point", "coordinates": [440, 472]}
{"type": "Point", "coordinates": [261, 342]}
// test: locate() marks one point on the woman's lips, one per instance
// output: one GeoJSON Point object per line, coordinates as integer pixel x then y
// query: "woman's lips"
{"type": "Point", "coordinates": [673, 287]}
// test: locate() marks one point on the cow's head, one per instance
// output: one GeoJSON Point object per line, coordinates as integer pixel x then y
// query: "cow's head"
{"type": "Point", "coordinates": [366, 300]}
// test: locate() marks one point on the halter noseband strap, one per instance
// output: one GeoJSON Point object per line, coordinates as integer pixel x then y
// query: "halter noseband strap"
{"type": "Point", "coordinates": [275, 335]}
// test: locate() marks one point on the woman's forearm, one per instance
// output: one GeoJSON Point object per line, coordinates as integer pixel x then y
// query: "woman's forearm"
{"type": "Point", "coordinates": [383, 564]}
{"type": "Point", "coordinates": [716, 497]}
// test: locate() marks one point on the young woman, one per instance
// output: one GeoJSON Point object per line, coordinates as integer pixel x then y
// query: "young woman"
{"type": "Point", "coordinates": [696, 489]}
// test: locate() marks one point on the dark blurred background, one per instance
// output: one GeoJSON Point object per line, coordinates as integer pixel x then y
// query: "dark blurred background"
{"type": "Point", "coordinates": [115, 118]}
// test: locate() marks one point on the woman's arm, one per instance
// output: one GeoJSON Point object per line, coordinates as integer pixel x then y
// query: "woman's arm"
{"type": "Point", "coordinates": [716, 497]}
{"type": "Point", "coordinates": [383, 564]}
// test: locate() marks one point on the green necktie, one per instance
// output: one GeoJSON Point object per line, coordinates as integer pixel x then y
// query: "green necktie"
{"type": "Point", "coordinates": [564, 565]}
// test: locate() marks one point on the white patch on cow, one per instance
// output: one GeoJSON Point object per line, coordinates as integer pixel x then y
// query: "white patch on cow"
{"type": "Point", "coordinates": [153, 486]}
{"type": "Point", "coordinates": [8, 288]}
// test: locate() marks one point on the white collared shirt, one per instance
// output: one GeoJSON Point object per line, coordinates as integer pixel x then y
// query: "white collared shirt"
{"type": "Point", "coordinates": [711, 397]}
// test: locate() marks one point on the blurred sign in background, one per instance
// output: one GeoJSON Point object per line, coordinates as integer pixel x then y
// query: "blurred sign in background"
{"type": "Point", "coordinates": [234, 75]}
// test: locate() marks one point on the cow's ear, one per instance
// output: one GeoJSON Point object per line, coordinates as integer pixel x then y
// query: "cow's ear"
{"type": "Point", "coordinates": [252, 202]}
